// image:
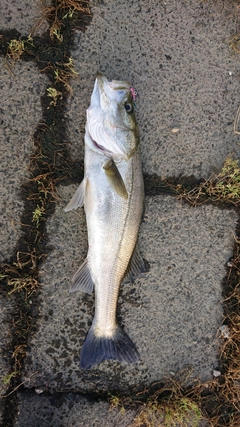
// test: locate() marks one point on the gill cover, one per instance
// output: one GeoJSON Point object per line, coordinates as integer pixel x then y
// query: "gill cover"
{"type": "Point", "coordinates": [111, 126]}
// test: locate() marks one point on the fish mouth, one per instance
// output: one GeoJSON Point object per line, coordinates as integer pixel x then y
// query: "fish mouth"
{"type": "Point", "coordinates": [99, 138]}
{"type": "Point", "coordinates": [114, 90]}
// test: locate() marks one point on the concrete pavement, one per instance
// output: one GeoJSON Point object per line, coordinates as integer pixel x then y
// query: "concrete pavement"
{"type": "Point", "coordinates": [177, 57]}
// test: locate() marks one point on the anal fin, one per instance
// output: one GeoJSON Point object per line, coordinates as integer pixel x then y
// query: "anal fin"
{"type": "Point", "coordinates": [82, 280]}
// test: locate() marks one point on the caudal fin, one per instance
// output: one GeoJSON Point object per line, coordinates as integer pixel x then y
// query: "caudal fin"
{"type": "Point", "coordinates": [118, 347]}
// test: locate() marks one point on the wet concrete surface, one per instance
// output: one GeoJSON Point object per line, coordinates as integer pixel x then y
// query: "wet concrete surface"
{"type": "Point", "coordinates": [26, 17]}
{"type": "Point", "coordinates": [69, 410]}
{"type": "Point", "coordinates": [177, 56]}
{"type": "Point", "coordinates": [172, 312]}
{"type": "Point", "coordinates": [20, 113]}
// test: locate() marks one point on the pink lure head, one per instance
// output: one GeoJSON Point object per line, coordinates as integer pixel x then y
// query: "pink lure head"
{"type": "Point", "coordinates": [134, 93]}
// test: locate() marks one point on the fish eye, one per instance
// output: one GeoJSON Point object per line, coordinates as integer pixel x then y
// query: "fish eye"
{"type": "Point", "coordinates": [128, 107]}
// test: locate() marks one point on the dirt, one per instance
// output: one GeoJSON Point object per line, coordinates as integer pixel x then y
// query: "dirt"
{"type": "Point", "coordinates": [186, 158]}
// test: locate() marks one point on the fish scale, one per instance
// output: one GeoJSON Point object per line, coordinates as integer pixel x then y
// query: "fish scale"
{"type": "Point", "coordinates": [112, 193]}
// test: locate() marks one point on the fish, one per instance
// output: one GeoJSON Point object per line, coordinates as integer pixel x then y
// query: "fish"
{"type": "Point", "coordinates": [112, 193]}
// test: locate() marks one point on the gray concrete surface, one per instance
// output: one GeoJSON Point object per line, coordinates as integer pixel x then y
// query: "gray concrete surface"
{"type": "Point", "coordinates": [176, 55]}
{"type": "Point", "coordinates": [69, 410]}
{"type": "Point", "coordinates": [24, 16]}
{"type": "Point", "coordinates": [172, 313]}
{"type": "Point", "coordinates": [20, 112]}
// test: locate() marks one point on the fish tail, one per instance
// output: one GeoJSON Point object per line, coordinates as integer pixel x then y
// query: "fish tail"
{"type": "Point", "coordinates": [97, 349]}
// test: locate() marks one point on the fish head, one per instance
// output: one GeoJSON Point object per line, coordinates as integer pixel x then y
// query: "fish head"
{"type": "Point", "coordinates": [111, 127]}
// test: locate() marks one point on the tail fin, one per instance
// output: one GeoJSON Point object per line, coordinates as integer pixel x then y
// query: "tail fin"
{"type": "Point", "coordinates": [118, 347]}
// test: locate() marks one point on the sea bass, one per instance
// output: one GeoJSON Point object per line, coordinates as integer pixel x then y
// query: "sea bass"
{"type": "Point", "coordinates": [112, 194]}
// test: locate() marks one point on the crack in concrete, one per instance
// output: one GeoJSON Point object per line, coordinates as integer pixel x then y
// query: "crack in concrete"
{"type": "Point", "coordinates": [52, 165]}
{"type": "Point", "coordinates": [49, 165]}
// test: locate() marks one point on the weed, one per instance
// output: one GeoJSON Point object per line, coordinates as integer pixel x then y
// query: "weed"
{"type": "Point", "coordinates": [54, 94]}
{"type": "Point", "coordinates": [234, 43]}
{"type": "Point", "coordinates": [64, 72]}
{"type": "Point", "coordinates": [236, 122]}
{"type": "Point", "coordinates": [61, 11]}
{"type": "Point", "coordinates": [19, 353]}
{"type": "Point", "coordinates": [224, 187]}
{"type": "Point", "coordinates": [15, 49]}
{"type": "Point", "coordinates": [45, 186]}
{"type": "Point", "coordinates": [7, 378]}
{"type": "Point", "coordinates": [27, 283]}
{"type": "Point", "coordinates": [69, 14]}
{"type": "Point", "coordinates": [234, 46]}
{"type": "Point", "coordinates": [175, 410]}
{"type": "Point", "coordinates": [38, 214]}
{"type": "Point", "coordinates": [230, 351]}
{"type": "Point", "coordinates": [57, 34]}
{"type": "Point", "coordinates": [115, 402]}
{"type": "Point", "coordinates": [22, 274]}
{"type": "Point", "coordinates": [46, 192]}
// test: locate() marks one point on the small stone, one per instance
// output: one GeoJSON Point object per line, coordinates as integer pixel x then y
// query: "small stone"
{"type": "Point", "coordinates": [39, 390]}
{"type": "Point", "coordinates": [225, 332]}
{"type": "Point", "coordinates": [216, 373]}
{"type": "Point", "coordinates": [172, 373]}
{"type": "Point", "coordinates": [175, 130]}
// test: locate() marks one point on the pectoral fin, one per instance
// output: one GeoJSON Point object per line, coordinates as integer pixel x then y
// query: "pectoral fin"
{"type": "Point", "coordinates": [77, 199]}
{"type": "Point", "coordinates": [115, 179]}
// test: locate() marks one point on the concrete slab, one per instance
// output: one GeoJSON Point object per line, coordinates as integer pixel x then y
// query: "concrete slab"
{"type": "Point", "coordinates": [176, 54]}
{"type": "Point", "coordinates": [172, 313]}
{"type": "Point", "coordinates": [20, 112]}
{"type": "Point", "coordinates": [72, 410]}
{"type": "Point", "coordinates": [6, 308]}
{"type": "Point", "coordinates": [23, 15]}
{"type": "Point", "coordinates": [68, 410]}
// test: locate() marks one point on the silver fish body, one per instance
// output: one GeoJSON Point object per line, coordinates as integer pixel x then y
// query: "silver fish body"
{"type": "Point", "coordinates": [113, 214]}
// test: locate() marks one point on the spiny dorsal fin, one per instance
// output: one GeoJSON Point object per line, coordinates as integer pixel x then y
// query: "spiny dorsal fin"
{"type": "Point", "coordinates": [115, 179]}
